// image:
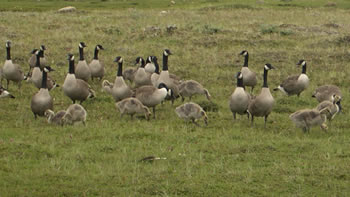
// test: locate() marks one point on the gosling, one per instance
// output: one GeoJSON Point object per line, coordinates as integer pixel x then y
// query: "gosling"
{"type": "Point", "coordinates": [132, 106]}
{"type": "Point", "coordinates": [191, 111]}
{"type": "Point", "coordinates": [75, 113]}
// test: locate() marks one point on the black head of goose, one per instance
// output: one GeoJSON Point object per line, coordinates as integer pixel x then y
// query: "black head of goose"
{"type": "Point", "coordinates": [249, 77]}
{"type": "Point", "coordinates": [96, 66]}
{"type": "Point", "coordinates": [4, 93]}
{"type": "Point", "coordinates": [261, 105]}
{"type": "Point", "coordinates": [82, 70]}
{"type": "Point", "coordinates": [11, 71]}
{"type": "Point", "coordinates": [239, 99]}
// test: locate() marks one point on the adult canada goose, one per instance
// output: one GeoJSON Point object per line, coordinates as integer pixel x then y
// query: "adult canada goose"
{"type": "Point", "coordinates": [249, 77]}
{"type": "Point", "coordinates": [141, 76]}
{"type": "Point", "coordinates": [4, 93]}
{"type": "Point", "coordinates": [76, 89]}
{"type": "Point", "coordinates": [334, 107]}
{"type": "Point", "coordinates": [119, 90]}
{"type": "Point", "coordinates": [151, 96]}
{"type": "Point", "coordinates": [96, 66]}
{"type": "Point", "coordinates": [239, 99]}
{"type": "Point", "coordinates": [307, 118]}
{"type": "Point", "coordinates": [191, 87]}
{"type": "Point", "coordinates": [32, 59]}
{"type": "Point", "coordinates": [191, 111]}
{"type": "Point", "coordinates": [75, 113]}
{"type": "Point", "coordinates": [53, 118]}
{"type": "Point", "coordinates": [295, 84]}
{"type": "Point", "coordinates": [325, 93]}
{"type": "Point", "coordinates": [82, 70]}
{"type": "Point", "coordinates": [155, 75]}
{"type": "Point", "coordinates": [150, 67]}
{"type": "Point", "coordinates": [42, 100]}
{"type": "Point", "coordinates": [11, 71]}
{"type": "Point", "coordinates": [261, 105]}
{"type": "Point", "coordinates": [132, 106]}
{"type": "Point", "coordinates": [36, 76]}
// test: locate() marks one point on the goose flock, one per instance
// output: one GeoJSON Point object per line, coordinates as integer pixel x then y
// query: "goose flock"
{"type": "Point", "coordinates": [137, 89]}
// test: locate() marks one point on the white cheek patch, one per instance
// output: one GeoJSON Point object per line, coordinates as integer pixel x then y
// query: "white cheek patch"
{"type": "Point", "coordinates": [98, 48]}
{"type": "Point", "coordinates": [72, 58]}
{"type": "Point", "coordinates": [165, 53]}
{"type": "Point", "coordinates": [80, 46]}
{"type": "Point", "coordinates": [245, 53]}
{"type": "Point", "coordinates": [303, 64]}
{"type": "Point", "coordinates": [46, 70]}
{"type": "Point", "coordinates": [266, 67]}
{"type": "Point", "coordinates": [36, 52]}
{"type": "Point", "coordinates": [6, 92]}
{"type": "Point", "coordinates": [169, 92]}
{"type": "Point", "coordinates": [240, 76]}
{"type": "Point", "coordinates": [121, 60]}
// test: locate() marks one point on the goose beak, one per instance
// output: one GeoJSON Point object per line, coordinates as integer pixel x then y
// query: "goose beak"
{"type": "Point", "coordinates": [11, 96]}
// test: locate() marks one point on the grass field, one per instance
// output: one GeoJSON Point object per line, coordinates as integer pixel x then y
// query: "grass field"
{"type": "Point", "coordinates": [226, 158]}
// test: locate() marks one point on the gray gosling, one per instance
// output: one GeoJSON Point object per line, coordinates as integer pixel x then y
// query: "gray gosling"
{"type": "Point", "coordinates": [191, 111]}
{"type": "Point", "coordinates": [82, 70]}
{"type": "Point", "coordinates": [75, 113]}
{"type": "Point", "coordinates": [132, 106]}
{"type": "Point", "coordinates": [307, 118]}
{"type": "Point", "coordinates": [249, 77]}
{"type": "Point", "coordinates": [325, 93]}
{"type": "Point", "coordinates": [191, 87]}
{"type": "Point", "coordinates": [239, 100]}
{"type": "Point", "coordinates": [334, 107]}
{"type": "Point", "coordinates": [11, 71]}
{"type": "Point", "coordinates": [96, 66]}
{"type": "Point", "coordinates": [53, 118]}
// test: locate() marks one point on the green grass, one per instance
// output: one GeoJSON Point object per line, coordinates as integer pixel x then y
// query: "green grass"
{"type": "Point", "coordinates": [223, 159]}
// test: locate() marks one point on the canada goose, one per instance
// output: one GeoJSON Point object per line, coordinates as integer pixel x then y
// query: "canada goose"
{"type": "Point", "coordinates": [325, 92]}
{"type": "Point", "coordinates": [11, 71]}
{"type": "Point", "coordinates": [96, 66]}
{"type": "Point", "coordinates": [155, 75]}
{"type": "Point", "coordinates": [119, 89]}
{"type": "Point", "coordinates": [36, 76]}
{"type": "Point", "coordinates": [151, 96]}
{"type": "Point", "coordinates": [262, 104]}
{"type": "Point", "coordinates": [307, 118]}
{"type": "Point", "coordinates": [239, 99]}
{"type": "Point", "coordinates": [42, 100]}
{"type": "Point", "coordinates": [191, 87]}
{"type": "Point", "coordinates": [334, 106]}
{"type": "Point", "coordinates": [141, 76]}
{"type": "Point", "coordinates": [150, 67]}
{"type": "Point", "coordinates": [191, 111]}
{"type": "Point", "coordinates": [53, 118]}
{"type": "Point", "coordinates": [75, 113]}
{"type": "Point", "coordinates": [82, 70]}
{"type": "Point", "coordinates": [76, 89]}
{"type": "Point", "coordinates": [32, 59]}
{"type": "Point", "coordinates": [5, 93]}
{"type": "Point", "coordinates": [132, 106]}
{"type": "Point", "coordinates": [249, 77]}
{"type": "Point", "coordinates": [295, 84]}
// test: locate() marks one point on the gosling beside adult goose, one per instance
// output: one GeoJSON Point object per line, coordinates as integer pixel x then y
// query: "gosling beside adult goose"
{"type": "Point", "coordinates": [42, 100]}
{"type": "Point", "coordinates": [261, 105]}
{"type": "Point", "coordinates": [191, 111]}
{"type": "Point", "coordinates": [141, 76]}
{"type": "Point", "coordinates": [82, 70]}
{"type": "Point", "coordinates": [334, 106]}
{"type": "Point", "coordinates": [307, 118]}
{"type": "Point", "coordinates": [11, 71]}
{"type": "Point", "coordinates": [96, 66]}
{"type": "Point", "coordinates": [239, 99]}
{"type": "Point", "coordinates": [76, 89]}
{"type": "Point", "coordinates": [4, 93]}
{"type": "Point", "coordinates": [296, 84]}
{"type": "Point", "coordinates": [75, 113]}
{"type": "Point", "coordinates": [191, 87]}
{"type": "Point", "coordinates": [249, 77]}
{"type": "Point", "coordinates": [132, 106]}
{"type": "Point", "coordinates": [325, 93]}
{"type": "Point", "coordinates": [119, 90]}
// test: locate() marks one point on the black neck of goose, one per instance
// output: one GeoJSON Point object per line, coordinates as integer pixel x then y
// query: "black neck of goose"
{"type": "Point", "coordinates": [165, 62]}
{"type": "Point", "coordinates": [143, 63]}
{"type": "Point", "coordinates": [71, 66]}
{"type": "Point", "coordinates": [304, 69]}
{"type": "Point", "coordinates": [43, 82]}
{"type": "Point", "coordinates": [120, 69]}
{"type": "Point", "coordinates": [81, 53]}
{"type": "Point", "coordinates": [41, 53]}
{"type": "Point", "coordinates": [246, 58]}
{"type": "Point", "coordinates": [265, 79]}
{"type": "Point", "coordinates": [96, 54]}
{"type": "Point", "coordinates": [240, 82]}
{"type": "Point", "coordinates": [37, 63]}
{"type": "Point", "coordinates": [8, 53]}
{"type": "Point", "coordinates": [157, 67]}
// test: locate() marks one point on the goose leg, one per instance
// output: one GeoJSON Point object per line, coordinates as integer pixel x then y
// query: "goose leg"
{"type": "Point", "coordinates": [234, 116]}
{"type": "Point", "coordinates": [35, 116]}
{"type": "Point", "coordinates": [84, 123]}
{"type": "Point", "coordinates": [248, 115]}
{"type": "Point", "coordinates": [154, 112]}
{"type": "Point", "coordinates": [7, 84]}
{"type": "Point", "coordinates": [194, 122]}
{"type": "Point", "coordinates": [132, 116]}
{"type": "Point", "coordinates": [252, 124]}
{"type": "Point", "coordinates": [265, 120]}
{"type": "Point", "coordinates": [251, 90]}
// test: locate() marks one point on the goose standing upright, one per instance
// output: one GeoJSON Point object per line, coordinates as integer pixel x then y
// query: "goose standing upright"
{"type": "Point", "coordinates": [42, 100]}
{"type": "Point", "coordinates": [261, 105]}
{"type": "Point", "coordinates": [96, 66]}
{"type": "Point", "coordinates": [249, 77]}
{"type": "Point", "coordinates": [32, 59]}
{"type": "Point", "coordinates": [239, 99]}
{"type": "Point", "coordinates": [82, 70]}
{"type": "Point", "coordinates": [11, 71]}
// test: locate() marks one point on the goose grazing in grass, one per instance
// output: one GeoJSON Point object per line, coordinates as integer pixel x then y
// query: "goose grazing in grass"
{"type": "Point", "coordinates": [53, 118]}
{"type": "Point", "coordinates": [141, 76]}
{"type": "Point", "coordinates": [191, 87]}
{"type": "Point", "coordinates": [96, 66]}
{"type": "Point", "coordinates": [334, 107]}
{"type": "Point", "coordinates": [32, 59]}
{"type": "Point", "coordinates": [150, 67]}
{"type": "Point", "coordinates": [151, 96]}
{"type": "Point", "coordinates": [76, 89]}
{"type": "Point", "coordinates": [307, 118]}
{"type": "Point", "coordinates": [119, 90]}
{"type": "Point", "coordinates": [295, 84]}
{"type": "Point", "coordinates": [325, 93]}
{"type": "Point", "coordinates": [239, 99]}
{"type": "Point", "coordinates": [132, 106]}
{"type": "Point", "coordinates": [11, 71]}
{"type": "Point", "coordinates": [249, 77]}
{"type": "Point", "coordinates": [4, 93]}
{"type": "Point", "coordinates": [191, 111]}
{"type": "Point", "coordinates": [75, 113]}
{"type": "Point", "coordinates": [261, 105]}
{"type": "Point", "coordinates": [82, 70]}
{"type": "Point", "coordinates": [42, 100]}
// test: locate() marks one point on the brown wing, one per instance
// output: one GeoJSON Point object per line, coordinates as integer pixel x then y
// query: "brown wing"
{"type": "Point", "coordinates": [290, 83]}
